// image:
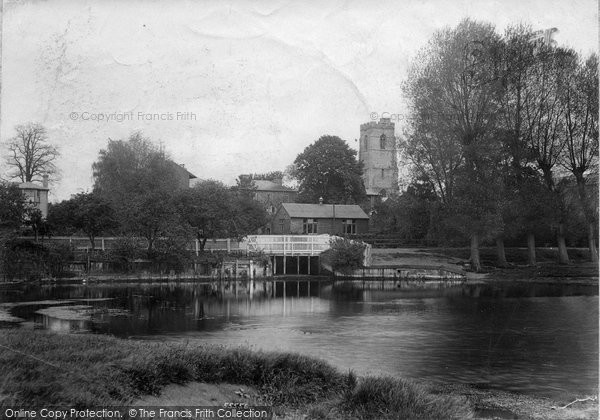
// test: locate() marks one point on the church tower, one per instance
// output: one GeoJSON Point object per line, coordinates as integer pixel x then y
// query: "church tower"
{"type": "Point", "coordinates": [377, 151]}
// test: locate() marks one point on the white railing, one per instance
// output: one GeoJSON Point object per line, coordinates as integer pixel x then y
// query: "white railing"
{"type": "Point", "coordinates": [289, 245]}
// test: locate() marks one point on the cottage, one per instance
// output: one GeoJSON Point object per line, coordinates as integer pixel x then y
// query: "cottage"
{"type": "Point", "coordinates": [37, 194]}
{"type": "Point", "coordinates": [334, 219]}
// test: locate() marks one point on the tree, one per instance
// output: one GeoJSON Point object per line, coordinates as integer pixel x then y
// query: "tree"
{"type": "Point", "coordinates": [455, 89]}
{"type": "Point", "coordinates": [408, 214]}
{"type": "Point", "coordinates": [139, 181]}
{"type": "Point", "coordinates": [85, 212]}
{"type": "Point", "coordinates": [328, 168]}
{"type": "Point", "coordinates": [12, 206]}
{"type": "Point", "coordinates": [269, 176]}
{"type": "Point", "coordinates": [544, 125]}
{"type": "Point", "coordinates": [245, 185]}
{"type": "Point", "coordinates": [519, 212]}
{"type": "Point", "coordinates": [12, 210]}
{"type": "Point", "coordinates": [212, 210]}
{"type": "Point", "coordinates": [30, 155]}
{"type": "Point", "coordinates": [580, 155]}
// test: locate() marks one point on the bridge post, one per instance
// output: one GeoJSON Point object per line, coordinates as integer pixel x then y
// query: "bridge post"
{"type": "Point", "coordinates": [309, 257]}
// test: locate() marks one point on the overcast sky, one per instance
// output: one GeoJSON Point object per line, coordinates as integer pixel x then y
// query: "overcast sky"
{"type": "Point", "coordinates": [258, 81]}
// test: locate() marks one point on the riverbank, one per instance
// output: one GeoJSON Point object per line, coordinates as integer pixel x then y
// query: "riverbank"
{"type": "Point", "coordinates": [84, 370]}
{"type": "Point", "coordinates": [547, 269]}
{"type": "Point", "coordinates": [87, 370]}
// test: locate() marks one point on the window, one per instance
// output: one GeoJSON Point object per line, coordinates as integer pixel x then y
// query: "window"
{"type": "Point", "coordinates": [382, 173]}
{"type": "Point", "coordinates": [309, 226]}
{"type": "Point", "coordinates": [382, 141]}
{"type": "Point", "coordinates": [281, 225]}
{"type": "Point", "coordinates": [349, 226]}
{"type": "Point", "coordinates": [286, 198]}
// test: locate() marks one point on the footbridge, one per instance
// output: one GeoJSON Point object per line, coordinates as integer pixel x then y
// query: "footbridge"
{"type": "Point", "coordinates": [293, 254]}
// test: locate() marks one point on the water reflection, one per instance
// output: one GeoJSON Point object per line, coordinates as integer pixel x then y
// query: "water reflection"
{"type": "Point", "coordinates": [539, 339]}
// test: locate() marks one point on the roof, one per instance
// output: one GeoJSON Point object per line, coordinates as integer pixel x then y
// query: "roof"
{"type": "Point", "coordinates": [372, 191]}
{"type": "Point", "coordinates": [182, 167]}
{"type": "Point", "coordinates": [32, 186]}
{"type": "Point", "coordinates": [324, 211]}
{"type": "Point", "coordinates": [263, 185]}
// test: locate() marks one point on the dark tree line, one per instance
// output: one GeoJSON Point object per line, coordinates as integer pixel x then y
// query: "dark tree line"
{"type": "Point", "coordinates": [504, 129]}
{"type": "Point", "coordinates": [137, 192]}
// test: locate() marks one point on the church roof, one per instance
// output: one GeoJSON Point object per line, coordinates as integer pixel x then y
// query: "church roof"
{"type": "Point", "coordinates": [324, 211]}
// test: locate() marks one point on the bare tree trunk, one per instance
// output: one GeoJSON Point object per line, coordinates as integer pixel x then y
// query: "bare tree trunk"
{"type": "Point", "coordinates": [475, 261]}
{"type": "Point", "coordinates": [501, 255]}
{"type": "Point", "coordinates": [592, 242]}
{"type": "Point", "coordinates": [531, 248]}
{"type": "Point", "coordinates": [563, 256]}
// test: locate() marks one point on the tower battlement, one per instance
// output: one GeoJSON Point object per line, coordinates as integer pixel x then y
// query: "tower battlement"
{"type": "Point", "coordinates": [383, 122]}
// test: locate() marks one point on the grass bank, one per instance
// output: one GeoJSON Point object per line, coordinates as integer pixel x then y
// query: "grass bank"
{"type": "Point", "coordinates": [87, 370]}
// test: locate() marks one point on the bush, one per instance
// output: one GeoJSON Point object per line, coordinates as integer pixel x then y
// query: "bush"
{"type": "Point", "coordinates": [344, 255]}
{"type": "Point", "coordinates": [391, 398]}
{"type": "Point", "coordinates": [124, 251]}
{"type": "Point", "coordinates": [28, 260]}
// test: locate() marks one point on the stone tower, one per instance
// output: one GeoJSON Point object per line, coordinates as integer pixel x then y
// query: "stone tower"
{"type": "Point", "coordinates": [377, 151]}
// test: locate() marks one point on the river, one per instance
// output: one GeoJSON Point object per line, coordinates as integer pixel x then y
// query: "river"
{"type": "Point", "coordinates": [531, 338]}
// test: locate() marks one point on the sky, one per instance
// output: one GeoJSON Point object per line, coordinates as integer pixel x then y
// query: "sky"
{"type": "Point", "coordinates": [228, 87]}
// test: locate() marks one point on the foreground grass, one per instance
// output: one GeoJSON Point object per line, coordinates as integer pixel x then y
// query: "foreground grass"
{"type": "Point", "coordinates": [82, 371]}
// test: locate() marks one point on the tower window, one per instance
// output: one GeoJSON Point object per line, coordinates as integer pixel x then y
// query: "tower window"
{"type": "Point", "coordinates": [382, 172]}
{"type": "Point", "coordinates": [382, 141]}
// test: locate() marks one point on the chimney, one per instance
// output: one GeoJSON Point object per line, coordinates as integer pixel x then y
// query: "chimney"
{"type": "Point", "coordinates": [45, 181]}
{"type": "Point", "coordinates": [320, 201]}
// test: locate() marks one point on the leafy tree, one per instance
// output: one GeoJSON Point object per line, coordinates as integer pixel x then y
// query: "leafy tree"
{"type": "Point", "coordinates": [30, 155]}
{"type": "Point", "coordinates": [85, 212]}
{"type": "Point", "coordinates": [409, 214]}
{"type": "Point", "coordinates": [269, 176]}
{"type": "Point", "coordinates": [328, 168]}
{"type": "Point", "coordinates": [245, 185]}
{"type": "Point", "coordinates": [33, 218]}
{"type": "Point", "coordinates": [455, 89]}
{"type": "Point", "coordinates": [140, 183]}
{"type": "Point", "coordinates": [213, 210]}
{"type": "Point", "coordinates": [12, 210]}
{"type": "Point", "coordinates": [60, 218]}
{"type": "Point", "coordinates": [12, 206]}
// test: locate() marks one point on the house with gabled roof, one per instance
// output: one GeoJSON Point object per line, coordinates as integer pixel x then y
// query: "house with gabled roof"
{"type": "Point", "coordinates": [272, 193]}
{"type": "Point", "coordinates": [333, 219]}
